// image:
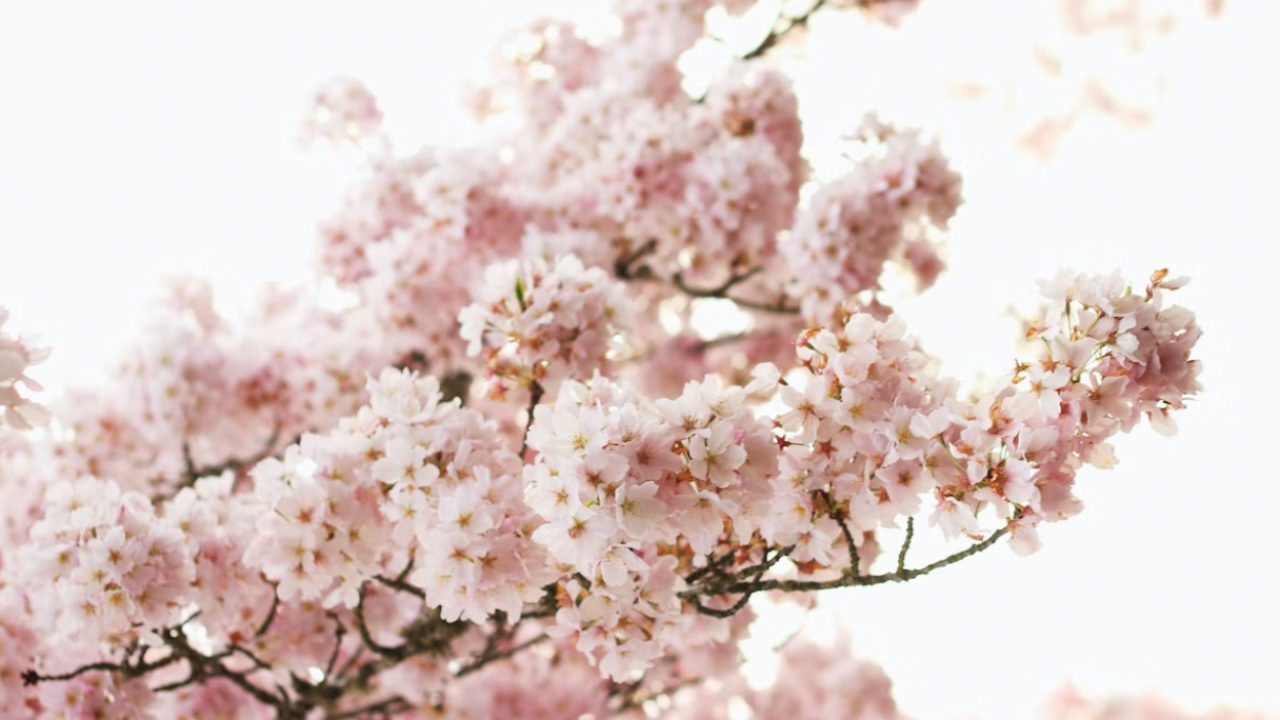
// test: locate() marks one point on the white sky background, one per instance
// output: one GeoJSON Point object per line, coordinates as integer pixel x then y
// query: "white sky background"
{"type": "Point", "coordinates": [141, 140]}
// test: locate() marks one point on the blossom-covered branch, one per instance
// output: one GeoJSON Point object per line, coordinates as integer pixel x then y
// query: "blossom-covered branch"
{"type": "Point", "coordinates": [525, 482]}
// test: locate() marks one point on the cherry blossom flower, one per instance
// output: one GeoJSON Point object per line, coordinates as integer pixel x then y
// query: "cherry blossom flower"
{"type": "Point", "coordinates": [16, 355]}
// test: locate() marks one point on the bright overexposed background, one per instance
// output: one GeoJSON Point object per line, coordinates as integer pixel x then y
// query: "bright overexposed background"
{"type": "Point", "coordinates": [139, 140]}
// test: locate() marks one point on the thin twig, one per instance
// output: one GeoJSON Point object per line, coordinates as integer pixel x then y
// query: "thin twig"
{"type": "Point", "coordinates": [390, 706]}
{"type": "Point", "coordinates": [399, 584]}
{"type": "Point", "coordinates": [535, 396]}
{"type": "Point", "coordinates": [721, 291]}
{"type": "Point", "coordinates": [191, 473]}
{"type": "Point", "coordinates": [759, 571]}
{"type": "Point", "coordinates": [339, 632]}
{"type": "Point", "coordinates": [906, 544]}
{"type": "Point", "coordinates": [396, 653]}
{"type": "Point", "coordinates": [783, 27]}
{"type": "Point", "coordinates": [844, 580]}
{"type": "Point", "coordinates": [854, 561]}
{"type": "Point", "coordinates": [486, 659]}
{"type": "Point", "coordinates": [271, 615]}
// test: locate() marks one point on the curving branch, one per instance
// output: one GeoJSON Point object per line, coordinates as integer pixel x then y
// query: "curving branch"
{"type": "Point", "coordinates": [191, 473]}
{"type": "Point", "coordinates": [625, 268]}
{"type": "Point", "coordinates": [743, 582]}
{"type": "Point", "coordinates": [721, 291]}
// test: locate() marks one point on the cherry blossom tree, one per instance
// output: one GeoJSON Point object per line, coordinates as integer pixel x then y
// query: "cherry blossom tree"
{"type": "Point", "coordinates": [511, 476]}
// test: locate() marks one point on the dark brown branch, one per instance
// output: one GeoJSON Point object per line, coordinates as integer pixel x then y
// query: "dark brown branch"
{"type": "Point", "coordinates": [395, 653]}
{"type": "Point", "coordinates": [783, 26]}
{"type": "Point", "coordinates": [271, 615]}
{"type": "Point", "coordinates": [350, 663]}
{"type": "Point", "coordinates": [711, 566]}
{"type": "Point", "coordinates": [740, 585]}
{"type": "Point", "coordinates": [385, 708]}
{"type": "Point", "coordinates": [780, 307]}
{"type": "Point", "coordinates": [547, 605]}
{"type": "Point", "coordinates": [622, 267]}
{"type": "Point", "coordinates": [249, 654]}
{"type": "Point", "coordinates": [456, 385]}
{"type": "Point", "coordinates": [535, 396]}
{"type": "Point", "coordinates": [31, 677]}
{"type": "Point", "coordinates": [906, 544]}
{"type": "Point", "coordinates": [191, 473]}
{"type": "Point", "coordinates": [339, 632]}
{"type": "Point", "coordinates": [398, 583]}
{"type": "Point", "coordinates": [721, 291]}
{"type": "Point", "coordinates": [728, 612]}
{"type": "Point", "coordinates": [758, 571]}
{"type": "Point", "coordinates": [854, 561]}
{"type": "Point", "coordinates": [493, 657]}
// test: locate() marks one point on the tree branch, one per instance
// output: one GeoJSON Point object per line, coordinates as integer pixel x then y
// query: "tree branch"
{"type": "Point", "coordinates": [396, 653]}
{"type": "Point", "coordinates": [783, 26]}
{"type": "Point", "coordinates": [388, 707]}
{"type": "Point", "coordinates": [191, 473]}
{"type": "Point", "coordinates": [906, 544]}
{"type": "Point", "coordinates": [721, 291]}
{"type": "Point", "coordinates": [535, 396]}
{"type": "Point", "coordinates": [739, 585]}
{"type": "Point", "coordinates": [624, 268]}
{"type": "Point", "coordinates": [398, 583]}
{"type": "Point", "coordinates": [489, 658]}
{"type": "Point", "coordinates": [271, 615]}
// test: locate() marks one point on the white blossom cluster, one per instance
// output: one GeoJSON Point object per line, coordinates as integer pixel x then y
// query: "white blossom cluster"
{"type": "Point", "coordinates": [408, 478]}
{"type": "Point", "coordinates": [101, 562]}
{"type": "Point", "coordinates": [545, 321]}
{"type": "Point", "coordinates": [624, 483]}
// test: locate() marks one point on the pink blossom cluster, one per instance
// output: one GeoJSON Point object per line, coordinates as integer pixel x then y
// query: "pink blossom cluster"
{"type": "Point", "coordinates": [873, 432]}
{"type": "Point", "coordinates": [374, 209]}
{"type": "Point", "coordinates": [201, 388]}
{"type": "Point", "coordinates": [18, 644]}
{"type": "Point", "coordinates": [826, 681]}
{"type": "Point", "coordinates": [538, 321]}
{"type": "Point", "coordinates": [698, 189]}
{"type": "Point", "coordinates": [598, 152]}
{"type": "Point", "coordinates": [217, 524]}
{"type": "Point", "coordinates": [25, 473]}
{"type": "Point", "coordinates": [611, 162]}
{"type": "Point", "coordinates": [813, 682]}
{"type": "Point", "coordinates": [632, 490]}
{"type": "Point", "coordinates": [849, 452]}
{"type": "Point", "coordinates": [343, 110]}
{"type": "Point", "coordinates": [460, 220]}
{"type": "Point", "coordinates": [16, 355]}
{"type": "Point", "coordinates": [408, 478]}
{"type": "Point", "coordinates": [1069, 704]}
{"type": "Point", "coordinates": [888, 207]}
{"type": "Point", "coordinates": [100, 562]}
